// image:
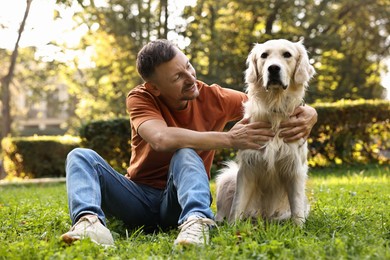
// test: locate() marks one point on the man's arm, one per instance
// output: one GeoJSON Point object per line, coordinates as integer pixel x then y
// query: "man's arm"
{"type": "Point", "coordinates": [241, 136]}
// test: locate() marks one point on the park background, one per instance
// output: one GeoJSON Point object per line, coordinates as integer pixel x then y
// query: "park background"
{"type": "Point", "coordinates": [67, 65]}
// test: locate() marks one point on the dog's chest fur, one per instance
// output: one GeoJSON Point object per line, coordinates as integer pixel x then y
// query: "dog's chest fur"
{"type": "Point", "coordinates": [272, 106]}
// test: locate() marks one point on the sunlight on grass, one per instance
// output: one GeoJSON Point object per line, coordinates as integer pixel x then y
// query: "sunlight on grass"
{"type": "Point", "coordinates": [349, 219]}
{"type": "Point", "coordinates": [350, 180]}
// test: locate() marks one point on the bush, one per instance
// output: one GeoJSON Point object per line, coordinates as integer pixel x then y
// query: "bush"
{"type": "Point", "coordinates": [37, 156]}
{"type": "Point", "coordinates": [347, 132]}
{"type": "Point", "coordinates": [351, 132]}
{"type": "Point", "coordinates": [109, 138]}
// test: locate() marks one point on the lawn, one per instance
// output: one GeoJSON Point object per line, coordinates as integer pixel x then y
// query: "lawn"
{"type": "Point", "coordinates": [349, 219]}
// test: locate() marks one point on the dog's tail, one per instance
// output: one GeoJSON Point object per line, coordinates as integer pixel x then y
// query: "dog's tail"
{"type": "Point", "coordinates": [226, 187]}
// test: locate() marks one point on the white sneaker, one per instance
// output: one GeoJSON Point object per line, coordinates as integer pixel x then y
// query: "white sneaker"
{"type": "Point", "coordinates": [194, 231]}
{"type": "Point", "coordinates": [89, 226]}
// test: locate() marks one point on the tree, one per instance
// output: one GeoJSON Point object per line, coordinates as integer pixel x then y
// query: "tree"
{"type": "Point", "coordinates": [347, 40]}
{"type": "Point", "coordinates": [116, 32]}
{"type": "Point", "coordinates": [353, 37]}
{"type": "Point", "coordinates": [7, 79]}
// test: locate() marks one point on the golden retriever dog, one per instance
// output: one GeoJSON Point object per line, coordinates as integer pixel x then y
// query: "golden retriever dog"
{"type": "Point", "coordinates": [270, 182]}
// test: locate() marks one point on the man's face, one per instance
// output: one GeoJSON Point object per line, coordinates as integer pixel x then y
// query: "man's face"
{"type": "Point", "coordinates": [176, 81]}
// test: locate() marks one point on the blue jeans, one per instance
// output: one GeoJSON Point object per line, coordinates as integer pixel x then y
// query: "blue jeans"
{"type": "Point", "coordinates": [94, 187]}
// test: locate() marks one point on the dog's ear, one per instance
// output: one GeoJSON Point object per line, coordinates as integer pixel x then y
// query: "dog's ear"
{"type": "Point", "coordinates": [303, 70]}
{"type": "Point", "coordinates": [252, 74]}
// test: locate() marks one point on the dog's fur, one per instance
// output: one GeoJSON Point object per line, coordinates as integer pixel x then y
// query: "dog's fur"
{"type": "Point", "coordinates": [270, 182]}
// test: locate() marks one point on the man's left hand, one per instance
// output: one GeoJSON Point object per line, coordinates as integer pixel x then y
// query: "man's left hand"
{"type": "Point", "coordinates": [299, 124]}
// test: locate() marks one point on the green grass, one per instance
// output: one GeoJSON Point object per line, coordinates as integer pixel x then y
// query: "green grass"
{"type": "Point", "coordinates": [349, 219]}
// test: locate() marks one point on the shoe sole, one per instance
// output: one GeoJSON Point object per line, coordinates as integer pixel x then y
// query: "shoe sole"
{"type": "Point", "coordinates": [69, 240]}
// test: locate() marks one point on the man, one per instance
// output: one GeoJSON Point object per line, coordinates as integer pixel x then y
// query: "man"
{"type": "Point", "coordinates": [176, 123]}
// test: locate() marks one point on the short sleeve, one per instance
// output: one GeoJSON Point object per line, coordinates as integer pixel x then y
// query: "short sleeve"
{"type": "Point", "coordinates": [142, 106]}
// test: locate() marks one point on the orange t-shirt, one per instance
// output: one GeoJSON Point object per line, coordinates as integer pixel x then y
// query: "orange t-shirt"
{"type": "Point", "coordinates": [210, 111]}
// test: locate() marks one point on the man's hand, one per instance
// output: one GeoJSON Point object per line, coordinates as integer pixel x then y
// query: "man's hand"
{"type": "Point", "coordinates": [245, 135]}
{"type": "Point", "coordinates": [299, 124]}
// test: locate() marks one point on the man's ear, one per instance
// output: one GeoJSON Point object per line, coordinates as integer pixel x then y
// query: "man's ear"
{"type": "Point", "coordinates": [152, 88]}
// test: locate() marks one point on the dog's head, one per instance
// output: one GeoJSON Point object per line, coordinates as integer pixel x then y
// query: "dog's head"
{"type": "Point", "coordinates": [278, 64]}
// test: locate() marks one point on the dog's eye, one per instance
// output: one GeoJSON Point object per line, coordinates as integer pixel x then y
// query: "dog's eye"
{"type": "Point", "coordinates": [287, 54]}
{"type": "Point", "coordinates": [264, 55]}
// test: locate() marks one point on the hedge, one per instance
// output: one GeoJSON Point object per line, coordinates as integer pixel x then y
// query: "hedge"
{"type": "Point", "coordinates": [347, 133]}
{"type": "Point", "coordinates": [36, 156]}
{"type": "Point", "coordinates": [351, 132]}
{"type": "Point", "coordinates": [110, 139]}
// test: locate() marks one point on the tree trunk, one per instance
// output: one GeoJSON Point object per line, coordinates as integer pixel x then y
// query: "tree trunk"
{"type": "Point", "coordinates": [6, 82]}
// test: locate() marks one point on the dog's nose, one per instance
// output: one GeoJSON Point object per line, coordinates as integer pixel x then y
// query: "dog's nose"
{"type": "Point", "coordinates": [273, 69]}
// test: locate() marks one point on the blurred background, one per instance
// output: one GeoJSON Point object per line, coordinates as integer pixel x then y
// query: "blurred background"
{"type": "Point", "coordinates": [74, 60]}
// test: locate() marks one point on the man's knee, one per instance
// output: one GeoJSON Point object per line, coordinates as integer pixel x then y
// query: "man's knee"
{"type": "Point", "coordinates": [186, 160]}
{"type": "Point", "coordinates": [79, 156]}
{"type": "Point", "coordinates": [78, 152]}
{"type": "Point", "coordinates": [186, 155]}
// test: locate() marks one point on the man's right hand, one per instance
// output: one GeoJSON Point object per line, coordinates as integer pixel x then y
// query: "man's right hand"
{"type": "Point", "coordinates": [246, 135]}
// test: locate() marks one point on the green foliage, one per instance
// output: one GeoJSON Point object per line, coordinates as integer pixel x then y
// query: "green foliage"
{"type": "Point", "coordinates": [348, 220]}
{"type": "Point", "coordinates": [347, 132]}
{"type": "Point", "coordinates": [347, 41]}
{"type": "Point", "coordinates": [37, 156]}
{"type": "Point", "coordinates": [116, 32]}
{"type": "Point", "coordinates": [36, 80]}
{"type": "Point", "coordinates": [101, 89]}
{"type": "Point", "coordinates": [351, 132]}
{"type": "Point", "coordinates": [109, 138]}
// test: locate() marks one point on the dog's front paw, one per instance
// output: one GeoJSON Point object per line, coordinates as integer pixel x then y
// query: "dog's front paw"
{"type": "Point", "coordinates": [298, 220]}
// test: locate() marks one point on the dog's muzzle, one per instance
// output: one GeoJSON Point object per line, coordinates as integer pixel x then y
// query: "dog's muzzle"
{"type": "Point", "coordinates": [274, 77]}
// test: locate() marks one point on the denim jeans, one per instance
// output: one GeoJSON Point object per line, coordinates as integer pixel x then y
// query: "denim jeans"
{"type": "Point", "coordinates": [94, 187]}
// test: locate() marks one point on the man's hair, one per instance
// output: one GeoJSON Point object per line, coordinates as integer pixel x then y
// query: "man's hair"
{"type": "Point", "coordinates": [152, 55]}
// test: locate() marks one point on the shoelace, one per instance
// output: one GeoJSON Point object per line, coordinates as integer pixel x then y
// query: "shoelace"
{"type": "Point", "coordinates": [90, 222]}
{"type": "Point", "coordinates": [203, 221]}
